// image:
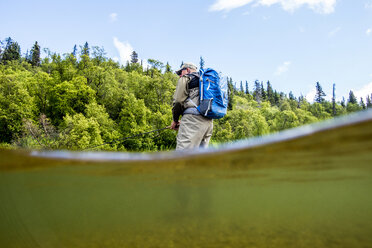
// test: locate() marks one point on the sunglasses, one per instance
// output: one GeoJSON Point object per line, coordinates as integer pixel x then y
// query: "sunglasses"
{"type": "Point", "coordinates": [180, 72]}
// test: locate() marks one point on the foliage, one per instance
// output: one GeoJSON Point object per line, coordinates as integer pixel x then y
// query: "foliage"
{"type": "Point", "coordinates": [80, 132]}
{"type": "Point", "coordinates": [16, 103]}
{"type": "Point", "coordinates": [83, 99]}
{"type": "Point", "coordinates": [12, 51]}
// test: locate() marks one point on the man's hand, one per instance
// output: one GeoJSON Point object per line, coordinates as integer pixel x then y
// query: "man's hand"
{"type": "Point", "coordinates": [175, 125]}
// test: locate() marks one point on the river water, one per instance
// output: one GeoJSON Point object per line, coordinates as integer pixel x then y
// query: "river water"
{"type": "Point", "coordinates": [306, 187]}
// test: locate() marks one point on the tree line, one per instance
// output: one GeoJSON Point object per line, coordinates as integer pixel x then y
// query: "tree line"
{"type": "Point", "coordinates": [83, 99]}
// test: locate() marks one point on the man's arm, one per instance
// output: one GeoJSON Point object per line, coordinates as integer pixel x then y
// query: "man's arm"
{"type": "Point", "coordinates": [180, 95]}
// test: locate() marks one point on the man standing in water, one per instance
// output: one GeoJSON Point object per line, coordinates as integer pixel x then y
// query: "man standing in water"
{"type": "Point", "coordinates": [194, 130]}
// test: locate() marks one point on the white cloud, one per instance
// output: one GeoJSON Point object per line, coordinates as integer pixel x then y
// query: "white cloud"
{"type": "Point", "coordinates": [125, 50]}
{"type": "Point", "coordinates": [369, 31]}
{"type": "Point", "coordinates": [319, 6]}
{"type": "Point", "coordinates": [282, 68]}
{"type": "Point", "coordinates": [368, 5]}
{"type": "Point", "coordinates": [363, 92]}
{"type": "Point", "coordinates": [113, 17]}
{"type": "Point", "coordinates": [334, 32]}
{"type": "Point", "coordinates": [311, 95]}
{"type": "Point", "coordinates": [228, 5]}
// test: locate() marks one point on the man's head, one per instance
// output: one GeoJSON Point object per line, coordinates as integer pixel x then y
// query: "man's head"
{"type": "Point", "coordinates": [186, 68]}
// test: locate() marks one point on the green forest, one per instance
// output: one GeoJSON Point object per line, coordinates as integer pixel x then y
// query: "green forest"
{"type": "Point", "coordinates": [83, 99]}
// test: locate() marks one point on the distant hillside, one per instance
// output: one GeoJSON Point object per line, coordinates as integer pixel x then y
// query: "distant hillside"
{"type": "Point", "coordinates": [83, 99]}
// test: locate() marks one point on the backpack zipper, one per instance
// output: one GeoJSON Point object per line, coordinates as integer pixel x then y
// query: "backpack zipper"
{"type": "Point", "coordinates": [209, 107]}
{"type": "Point", "coordinates": [209, 83]}
{"type": "Point", "coordinates": [201, 89]}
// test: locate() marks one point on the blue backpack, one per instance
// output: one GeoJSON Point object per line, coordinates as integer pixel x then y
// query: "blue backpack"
{"type": "Point", "coordinates": [213, 94]}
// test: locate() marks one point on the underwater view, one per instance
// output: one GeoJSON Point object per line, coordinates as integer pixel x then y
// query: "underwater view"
{"type": "Point", "coordinates": [304, 187]}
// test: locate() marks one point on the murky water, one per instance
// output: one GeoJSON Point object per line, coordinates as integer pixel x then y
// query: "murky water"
{"type": "Point", "coordinates": [310, 187]}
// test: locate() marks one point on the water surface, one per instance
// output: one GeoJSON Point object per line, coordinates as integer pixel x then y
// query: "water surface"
{"type": "Point", "coordinates": [309, 187]}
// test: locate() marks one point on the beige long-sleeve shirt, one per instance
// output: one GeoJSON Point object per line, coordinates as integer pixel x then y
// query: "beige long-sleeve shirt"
{"type": "Point", "coordinates": [184, 97]}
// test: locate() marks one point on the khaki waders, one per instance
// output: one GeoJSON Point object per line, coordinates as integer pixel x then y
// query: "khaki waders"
{"type": "Point", "coordinates": [195, 131]}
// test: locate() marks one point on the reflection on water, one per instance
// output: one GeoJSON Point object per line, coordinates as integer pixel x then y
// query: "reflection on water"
{"type": "Point", "coordinates": [312, 190]}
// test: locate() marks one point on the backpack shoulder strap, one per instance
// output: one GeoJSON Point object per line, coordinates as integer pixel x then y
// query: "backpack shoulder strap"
{"type": "Point", "coordinates": [194, 80]}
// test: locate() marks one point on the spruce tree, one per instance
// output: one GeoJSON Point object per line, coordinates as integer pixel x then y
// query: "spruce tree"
{"type": "Point", "coordinates": [257, 91]}
{"type": "Point", "coordinates": [11, 52]}
{"type": "Point", "coordinates": [369, 102]}
{"type": "Point", "coordinates": [74, 51]}
{"type": "Point", "coordinates": [362, 103]}
{"type": "Point", "coordinates": [246, 88]}
{"type": "Point", "coordinates": [230, 93]}
{"type": "Point", "coordinates": [352, 98]}
{"type": "Point", "coordinates": [270, 93]}
{"type": "Point", "coordinates": [85, 49]}
{"type": "Point", "coordinates": [201, 62]}
{"type": "Point", "coordinates": [319, 95]}
{"type": "Point", "coordinates": [334, 100]}
{"type": "Point", "coordinates": [263, 93]}
{"type": "Point", "coordinates": [241, 87]}
{"type": "Point", "coordinates": [301, 99]}
{"type": "Point", "coordinates": [134, 57]}
{"type": "Point", "coordinates": [35, 55]}
{"type": "Point", "coordinates": [168, 68]}
{"type": "Point", "coordinates": [291, 96]}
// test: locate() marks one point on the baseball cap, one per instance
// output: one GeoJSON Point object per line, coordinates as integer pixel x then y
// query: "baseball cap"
{"type": "Point", "coordinates": [185, 66]}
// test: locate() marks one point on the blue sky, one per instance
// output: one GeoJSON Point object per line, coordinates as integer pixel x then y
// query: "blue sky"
{"type": "Point", "coordinates": [292, 43]}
